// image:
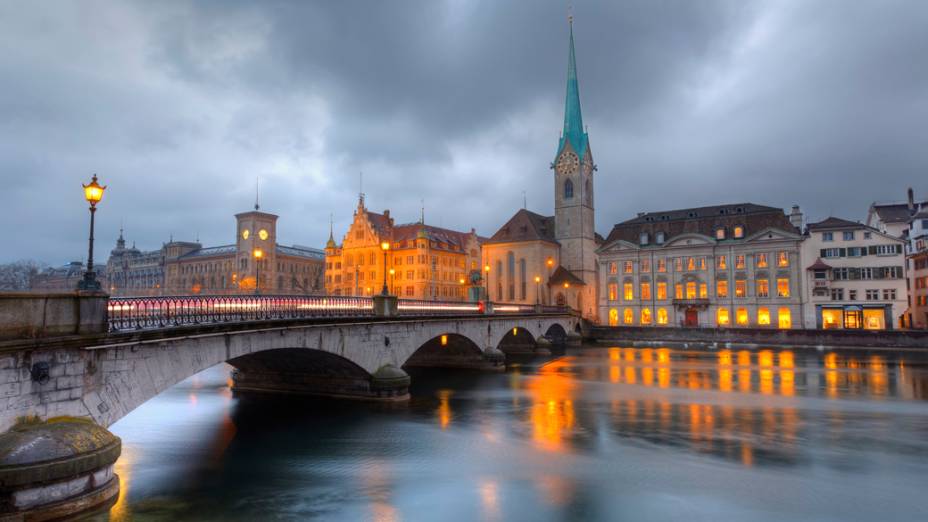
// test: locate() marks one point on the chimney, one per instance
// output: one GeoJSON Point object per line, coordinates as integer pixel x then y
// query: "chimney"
{"type": "Point", "coordinates": [795, 217]}
{"type": "Point", "coordinates": [386, 213]}
{"type": "Point", "coordinates": [911, 195]}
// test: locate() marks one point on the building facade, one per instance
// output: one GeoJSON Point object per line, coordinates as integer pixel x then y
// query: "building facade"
{"type": "Point", "coordinates": [723, 266]}
{"type": "Point", "coordinates": [855, 276]}
{"type": "Point", "coordinates": [65, 278]}
{"type": "Point", "coordinates": [552, 259]}
{"type": "Point", "coordinates": [421, 261]}
{"type": "Point", "coordinates": [917, 268]}
{"type": "Point", "coordinates": [255, 263]}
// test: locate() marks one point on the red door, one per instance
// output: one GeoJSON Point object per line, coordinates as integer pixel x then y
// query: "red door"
{"type": "Point", "coordinates": [692, 317]}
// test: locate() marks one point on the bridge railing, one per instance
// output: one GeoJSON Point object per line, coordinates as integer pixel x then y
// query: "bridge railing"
{"type": "Point", "coordinates": [137, 313]}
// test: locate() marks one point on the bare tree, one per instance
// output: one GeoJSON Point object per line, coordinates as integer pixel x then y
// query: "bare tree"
{"type": "Point", "coordinates": [18, 275]}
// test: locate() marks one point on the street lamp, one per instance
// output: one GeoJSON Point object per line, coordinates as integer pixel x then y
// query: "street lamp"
{"type": "Point", "coordinates": [486, 280]}
{"type": "Point", "coordinates": [93, 193]}
{"type": "Point", "coordinates": [385, 246]}
{"type": "Point", "coordinates": [550, 263]}
{"type": "Point", "coordinates": [537, 289]}
{"type": "Point", "coordinates": [393, 280]}
{"type": "Point", "coordinates": [257, 254]}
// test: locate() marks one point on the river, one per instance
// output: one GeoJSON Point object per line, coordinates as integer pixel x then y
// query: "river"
{"type": "Point", "coordinates": [599, 433]}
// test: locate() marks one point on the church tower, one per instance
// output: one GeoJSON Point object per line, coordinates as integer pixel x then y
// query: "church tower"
{"type": "Point", "coordinates": [573, 189]}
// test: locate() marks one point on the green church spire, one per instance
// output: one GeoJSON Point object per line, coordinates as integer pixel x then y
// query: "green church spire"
{"type": "Point", "coordinates": [573, 121]}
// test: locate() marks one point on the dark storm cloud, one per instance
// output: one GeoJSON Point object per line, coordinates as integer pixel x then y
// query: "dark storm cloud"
{"type": "Point", "coordinates": [180, 106]}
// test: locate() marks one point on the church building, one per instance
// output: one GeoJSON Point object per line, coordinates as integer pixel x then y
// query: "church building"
{"type": "Point", "coordinates": [537, 259]}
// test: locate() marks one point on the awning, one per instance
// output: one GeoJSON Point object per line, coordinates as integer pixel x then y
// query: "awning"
{"type": "Point", "coordinates": [819, 265]}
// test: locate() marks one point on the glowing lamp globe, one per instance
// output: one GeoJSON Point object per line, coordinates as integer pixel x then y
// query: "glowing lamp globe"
{"type": "Point", "coordinates": [93, 191]}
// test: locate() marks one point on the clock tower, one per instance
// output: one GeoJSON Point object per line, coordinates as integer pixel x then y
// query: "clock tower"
{"type": "Point", "coordinates": [573, 190]}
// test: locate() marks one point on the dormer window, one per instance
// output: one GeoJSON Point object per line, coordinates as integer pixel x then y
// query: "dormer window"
{"type": "Point", "coordinates": [739, 232]}
{"type": "Point", "coordinates": [660, 238]}
{"type": "Point", "coordinates": [720, 233]}
{"type": "Point", "coordinates": [643, 238]}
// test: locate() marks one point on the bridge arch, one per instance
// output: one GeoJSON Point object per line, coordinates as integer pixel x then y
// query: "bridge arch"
{"type": "Point", "coordinates": [517, 340]}
{"type": "Point", "coordinates": [449, 350]}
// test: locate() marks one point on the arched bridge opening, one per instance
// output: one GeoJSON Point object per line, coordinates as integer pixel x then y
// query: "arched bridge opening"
{"type": "Point", "coordinates": [556, 334]}
{"type": "Point", "coordinates": [518, 340]}
{"type": "Point", "coordinates": [448, 350]}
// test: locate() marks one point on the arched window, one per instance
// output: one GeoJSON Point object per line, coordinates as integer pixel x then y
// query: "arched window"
{"type": "Point", "coordinates": [661, 316]}
{"type": "Point", "coordinates": [628, 316]}
{"type": "Point", "coordinates": [511, 266]}
{"type": "Point", "coordinates": [568, 189]}
{"type": "Point", "coordinates": [645, 316]}
{"type": "Point", "coordinates": [722, 318]}
{"type": "Point", "coordinates": [613, 317]}
{"type": "Point", "coordinates": [784, 318]}
{"type": "Point", "coordinates": [522, 280]}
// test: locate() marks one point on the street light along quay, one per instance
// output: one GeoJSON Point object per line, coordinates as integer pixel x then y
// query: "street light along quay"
{"type": "Point", "coordinates": [257, 254]}
{"type": "Point", "coordinates": [93, 193]}
{"type": "Point", "coordinates": [537, 289]}
{"type": "Point", "coordinates": [486, 281]}
{"type": "Point", "coordinates": [385, 246]}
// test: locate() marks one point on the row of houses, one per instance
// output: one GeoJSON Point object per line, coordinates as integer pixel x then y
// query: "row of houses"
{"type": "Point", "coordinates": [748, 265]}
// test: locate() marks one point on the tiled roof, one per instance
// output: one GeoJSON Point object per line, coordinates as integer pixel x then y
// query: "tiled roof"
{"type": "Point", "coordinates": [702, 220]}
{"type": "Point", "coordinates": [894, 212]}
{"type": "Point", "coordinates": [410, 231]}
{"type": "Point", "coordinates": [819, 265]}
{"type": "Point", "coordinates": [833, 222]}
{"type": "Point", "coordinates": [525, 226]}
{"type": "Point", "coordinates": [561, 275]}
{"type": "Point", "coordinates": [210, 251]}
{"type": "Point", "coordinates": [301, 251]}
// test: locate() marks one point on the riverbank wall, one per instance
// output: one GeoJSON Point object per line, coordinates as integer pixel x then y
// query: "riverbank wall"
{"type": "Point", "coordinates": [917, 339]}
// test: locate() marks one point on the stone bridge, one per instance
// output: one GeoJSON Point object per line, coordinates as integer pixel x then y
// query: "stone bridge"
{"type": "Point", "coordinates": [76, 357]}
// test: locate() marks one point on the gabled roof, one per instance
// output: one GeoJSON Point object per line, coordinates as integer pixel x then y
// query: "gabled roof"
{"type": "Point", "coordinates": [525, 225]}
{"type": "Point", "coordinates": [703, 221]}
{"type": "Point", "coordinates": [411, 231]}
{"type": "Point", "coordinates": [561, 275]}
{"type": "Point", "coordinates": [819, 265]}
{"type": "Point", "coordinates": [835, 223]}
{"type": "Point", "coordinates": [894, 212]}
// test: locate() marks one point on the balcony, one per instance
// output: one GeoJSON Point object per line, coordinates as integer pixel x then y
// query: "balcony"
{"type": "Point", "coordinates": [691, 303]}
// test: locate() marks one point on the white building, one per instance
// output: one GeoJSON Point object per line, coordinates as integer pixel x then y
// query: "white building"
{"type": "Point", "coordinates": [855, 277]}
{"type": "Point", "coordinates": [917, 258]}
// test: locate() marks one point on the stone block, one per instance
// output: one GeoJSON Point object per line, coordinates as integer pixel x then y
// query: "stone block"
{"type": "Point", "coordinates": [64, 383]}
{"type": "Point", "coordinates": [11, 375]}
{"type": "Point", "coordinates": [75, 368]}
{"type": "Point", "coordinates": [7, 362]}
{"type": "Point", "coordinates": [10, 389]}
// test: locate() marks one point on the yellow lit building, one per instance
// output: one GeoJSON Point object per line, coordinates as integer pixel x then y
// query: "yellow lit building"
{"type": "Point", "coordinates": [420, 262]}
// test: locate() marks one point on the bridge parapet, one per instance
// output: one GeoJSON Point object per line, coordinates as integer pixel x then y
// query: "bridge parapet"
{"type": "Point", "coordinates": [34, 315]}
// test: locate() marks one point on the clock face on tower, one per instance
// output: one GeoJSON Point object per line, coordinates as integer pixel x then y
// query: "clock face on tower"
{"type": "Point", "coordinates": [568, 163]}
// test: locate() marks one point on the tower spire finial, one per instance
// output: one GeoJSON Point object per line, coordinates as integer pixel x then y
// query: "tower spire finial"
{"type": "Point", "coordinates": [360, 189]}
{"type": "Point", "coordinates": [422, 217]}
{"type": "Point", "coordinates": [256, 194]}
{"type": "Point", "coordinates": [331, 226]}
{"type": "Point", "coordinates": [573, 132]}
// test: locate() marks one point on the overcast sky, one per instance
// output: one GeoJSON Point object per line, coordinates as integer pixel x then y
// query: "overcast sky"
{"type": "Point", "coordinates": [179, 106]}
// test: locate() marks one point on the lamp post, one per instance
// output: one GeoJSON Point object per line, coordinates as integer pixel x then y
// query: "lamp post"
{"type": "Point", "coordinates": [550, 264]}
{"type": "Point", "coordinates": [393, 280]}
{"type": "Point", "coordinates": [486, 280]}
{"type": "Point", "coordinates": [385, 246]}
{"type": "Point", "coordinates": [537, 289]}
{"type": "Point", "coordinates": [357, 271]}
{"type": "Point", "coordinates": [93, 193]}
{"type": "Point", "coordinates": [461, 281]}
{"type": "Point", "coordinates": [257, 254]}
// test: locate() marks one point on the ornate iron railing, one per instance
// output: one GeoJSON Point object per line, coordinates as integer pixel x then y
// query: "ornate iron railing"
{"type": "Point", "coordinates": [137, 313]}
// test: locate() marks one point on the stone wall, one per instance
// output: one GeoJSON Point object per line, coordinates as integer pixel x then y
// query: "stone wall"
{"type": "Point", "coordinates": [765, 336]}
{"type": "Point", "coordinates": [30, 316]}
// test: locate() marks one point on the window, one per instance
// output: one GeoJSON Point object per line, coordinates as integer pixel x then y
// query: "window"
{"type": "Point", "coordinates": [678, 264]}
{"type": "Point", "coordinates": [738, 231]}
{"type": "Point", "coordinates": [741, 317]}
{"type": "Point", "coordinates": [831, 252]}
{"type": "Point", "coordinates": [613, 267]}
{"type": "Point", "coordinates": [783, 287]}
{"type": "Point", "coordinates": [827, 236]}
{"type": "Point", "coordinates": [613, 291]}
{"type": "Point", "coordinates": [852, 295]}
{"type": "Point", "coordinates": [661, 316]}
{"type": "Point", "coordinates": [783, 259]}
{"type": "Point", "coordinates": [849, 235]}
{"type": "Point", "coordinates": [889, 294]}
{"type": "Point", "coordinates": [613, 317]}
{"type": "Point", "coordinates": [874, 319]}
{"type": "Point", "coordinates": [720, 263]}
{"type": "Point", "coordinates": [629, 267]}
{"type": "Point", "coordinates": [721, 288]}
{"type": "Point", "coordinates": [720, 233]}
{"type": "Point", "coordinates": [660, 238]}
{"type": "Point", "coordinates": [662, 265]}
{"type": "Point", "coordinates": [691, 263]}
{"type": "Point", "coordinates": [646, 290]}
{"type": "Point", "coordinates": [646, 265]}
{"type": "Point", "coordinates": [760, 260]}
{"type": "Point", "coordinates": [643, 238]}
{"type": "Point", "coordinates": [691, 290]}
{"type": "Point", "coordinates": [568, 189]}
{"type": "Point", "coordinates": [702, 263]}
{"type": "Point", "coordinates": [645, 316]}
{"type": "Point", "coordinates": [784, 318]}
{"type": "Point", "coordinates": [678, 291]}
{"type": "Point", "coordinates": [703, 291]}
{"type": "Point", "coordinates": [628, 316]}
{"type": "Point", "coordinates": [763, 316]}
{"type": "Point", "coordinates": [886, 250]}
{"type": "Point", "coordinates": [840, 274]}
{"type": "Point", "coordinates": [661, 290]}
{"type": "Point", "coordinates": [873, 295]}
{"type": "Point", "coordinates": [763, 288]}
{"type": "Point", "coordinates": [739, 261]}
{"type": "Point", "coordinates": [866, 235]}
{"type": "Point", "coordinates": [837, 294]}
{"type": "Point", "coordinates": [628, 291]}
{"type": "Point", "coordinates": [721, 316]}
{"type": "Point", "coordinates": [741, 288]}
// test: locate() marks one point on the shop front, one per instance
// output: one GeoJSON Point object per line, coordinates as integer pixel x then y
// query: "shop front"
{"type": "Point", "coordinates": [854, 317]}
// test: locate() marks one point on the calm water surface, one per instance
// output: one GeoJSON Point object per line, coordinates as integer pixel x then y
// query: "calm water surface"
{"type": "Point", "coordinates": [597, 434]}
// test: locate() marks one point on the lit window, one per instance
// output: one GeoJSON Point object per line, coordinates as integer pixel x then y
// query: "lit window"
{"type": "Point", "coordinates": [661, 316]}
{"type": "Point", "coordinates": [741, 316]}
{"type": "Point", "coordinates": [874, 319]}
{"type": "Point", "coordinates": [763, 288]}
{"type": "Point", "coordinates": [721, 263]}
{"type": "Point", "coordinates": [628, 316]}
{"type": "Point", "coordinates": [629, 267]}
{"type": "Point", "coordinates": [613, 267]}
{"type": "Point", "coordinates": [720, 233]}
{"type": "Point", "coordinates": [691, 290]}
{"type": "Point", "coordinates": [678, 264]}
{"type": "Point", "coordinates": [628, 291]}
{"type": "Point", "coordinates": [613, 317]}
{"type": "Point", "coordinates": [702, 263]}
{"type": "Point", "coordinates": [783, 259]}
{"type": "Point", "coordinates": [782, 287]}
{"type": "Point", "coordinates": [678, 291]}
{"type": "Point", "coordinates": [763, 316]}
{"type": "Point", "coordinates": [703, 291]}
{"type": "Point", "coordinates": [661, 290]}
{"type": "Point", "coordinates": [645, 316]}
{"type": "Point", "coordinates": [721, 288]}
{"type": "Point", "coordinates": [784, 319]}
{"type": "Point", "coordinates": [661, 265]}
{"type": "Point", "coordinates": [613, 291]}
{"type": "Point", "coordinates": [739, 261]}
{"type": "Point", "coordinates": [722, 316]}
{"type": "Point", "coordinates": [646, 290]}
{"type": "Point", "coordinates": [739, 231]}
{"type": "Point", "coordinates": [741, 288]}
{"type": "Point", "coordinates": [691, 263]}
{"type": "Point", "coordinates": [761, 260]}
{"type": "Point", "coordinates": [646, 265]}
